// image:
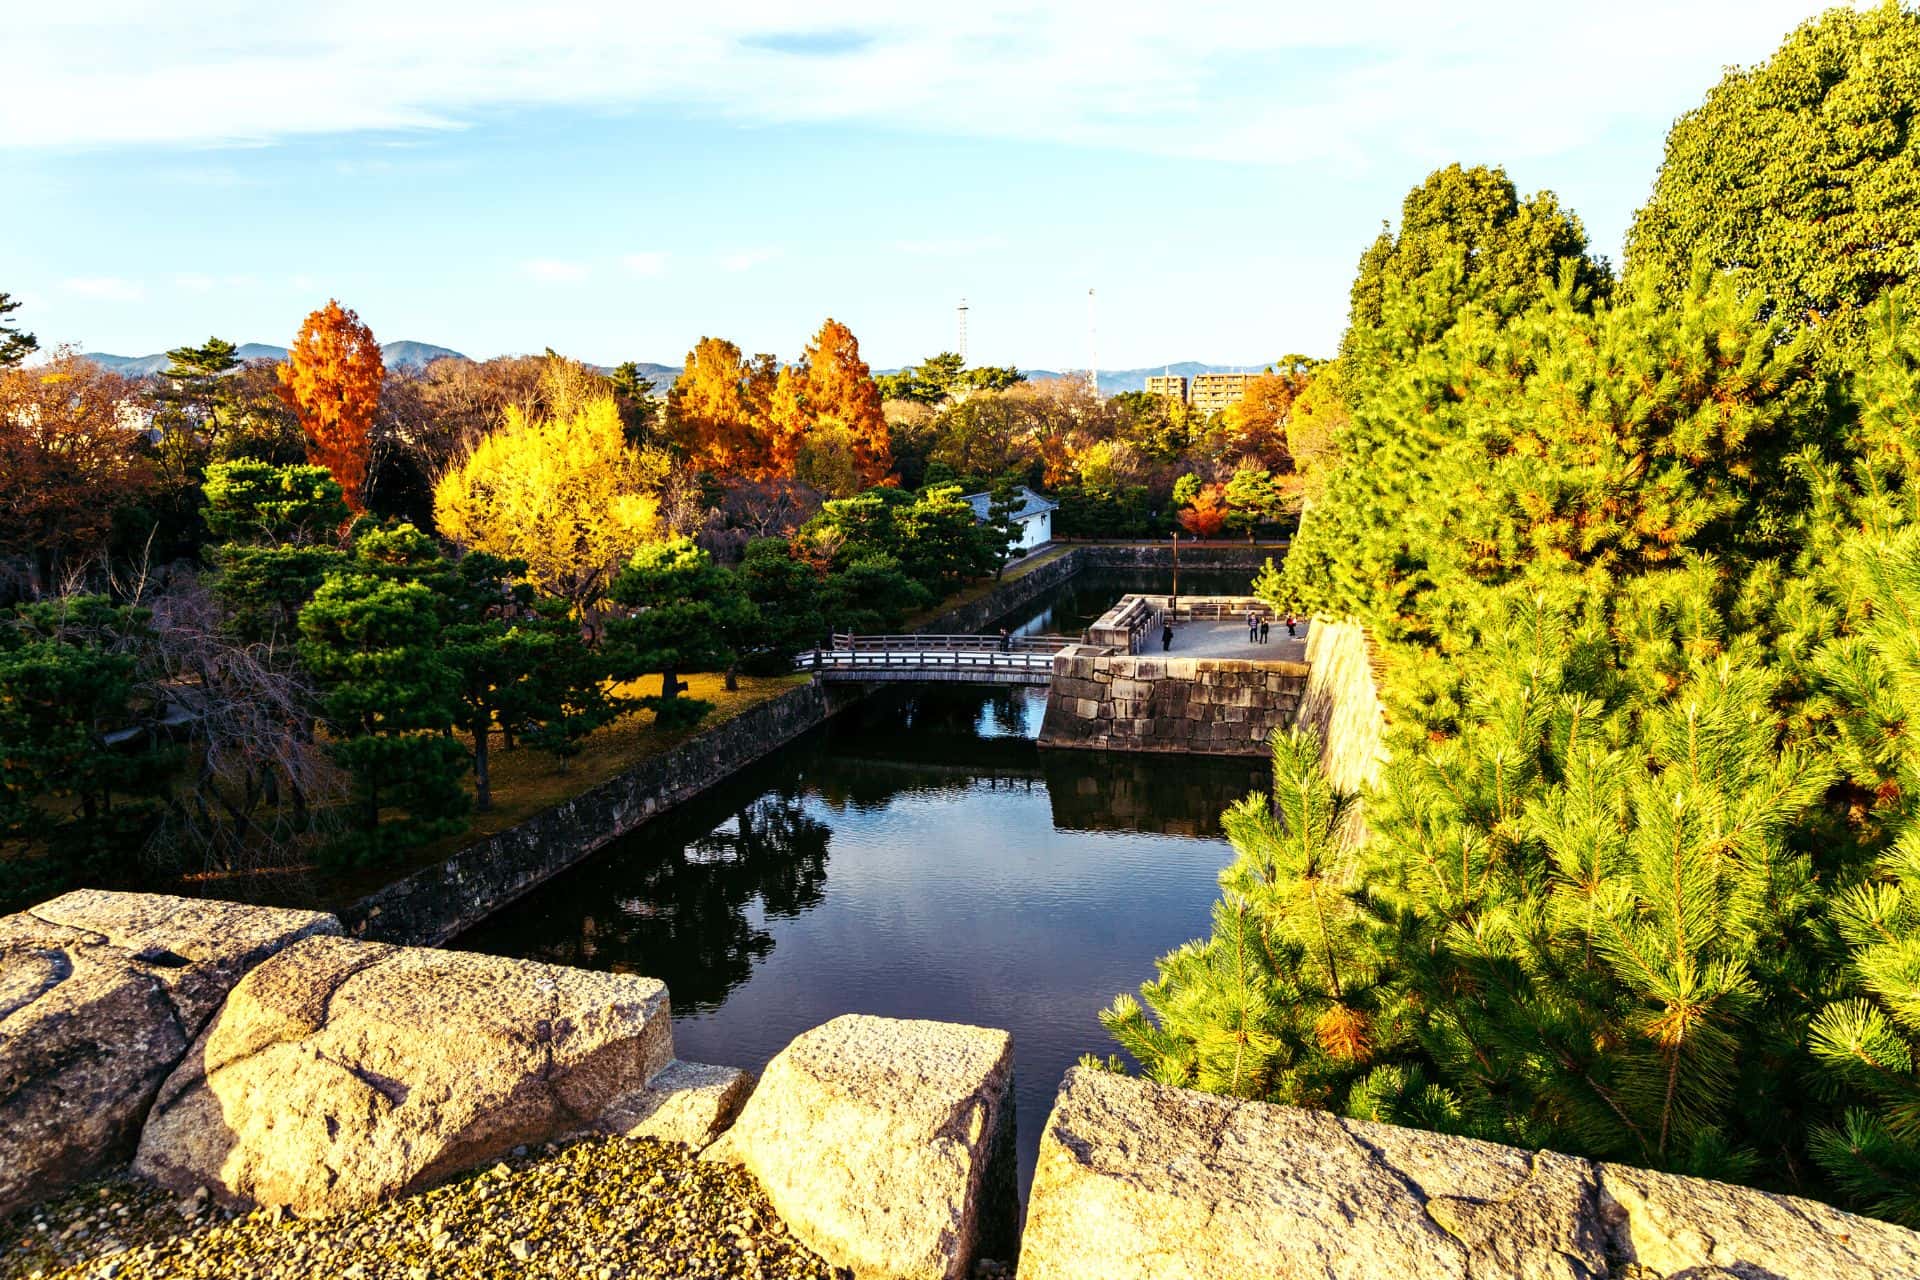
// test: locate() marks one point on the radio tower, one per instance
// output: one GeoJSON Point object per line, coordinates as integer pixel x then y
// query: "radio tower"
{"type": "Point", "coordinates": [963, 331]}
{"type": "Point", "coordinates": [1093, 358]}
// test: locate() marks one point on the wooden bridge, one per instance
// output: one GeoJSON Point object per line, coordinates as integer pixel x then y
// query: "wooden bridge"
{"type": "Point", "coordinates": [853, 659]}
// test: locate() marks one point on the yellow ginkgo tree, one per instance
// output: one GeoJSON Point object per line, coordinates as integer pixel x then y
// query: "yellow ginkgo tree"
{"type": "Point", "coordinates": [566, 494]}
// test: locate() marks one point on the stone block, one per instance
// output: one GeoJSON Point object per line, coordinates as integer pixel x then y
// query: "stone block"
{"type": "Point", "coordinates": [1137, 1180]}
{"type": "Point", "coordinates": [100, 996]}
{"type": "Point", "coordinates": [1675, 1226]}
{"type": "Point", "coordinates": [885, 1144]}
{"type": "Point", "coordinates": [1086, 708]}
{"type": "Point", "coordinates": [687, 1102]}
{"type": "Point", "coordinates": [342, 1073]}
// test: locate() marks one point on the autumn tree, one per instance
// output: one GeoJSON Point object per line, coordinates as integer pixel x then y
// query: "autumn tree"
{"type": "Point", "coordinates": [332, 380]}
{"type": "Point", "coordinates": [826, 427]}
{"type": "Point", "coordinates": [568, 495]}
{"type": "Point", "coordinates": [1204, 511]}
{"type": "Point", "coordinates": [711, 411]}
{"type": "Point", "coordinates": [15, 343]}
{"type": "Point", "coordinates": [70, 457]}
{"type": "Point", "coordinates": [1256, 424]}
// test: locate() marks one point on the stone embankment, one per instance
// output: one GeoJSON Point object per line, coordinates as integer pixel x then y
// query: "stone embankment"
{"type": "Point", "coordinates": [345, 1081]}
{"type": "Point", "coordinates": [1210, 706]}
{"type": "Point", "coordinates": [439, 901]}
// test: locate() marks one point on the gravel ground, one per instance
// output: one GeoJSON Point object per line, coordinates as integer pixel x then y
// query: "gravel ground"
{"type": "Point", "coordinates": [603, 1207]}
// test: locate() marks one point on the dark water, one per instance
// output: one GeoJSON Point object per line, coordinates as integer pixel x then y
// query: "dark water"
{"type": "Point", "coordinates": [917, 857]}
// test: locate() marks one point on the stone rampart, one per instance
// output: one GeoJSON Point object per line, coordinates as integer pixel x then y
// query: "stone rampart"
{"type": "Point", "coordinates": [437, 902]}
{"type": "Point", "coordinates": [1342, 704]}
{"type": "Point", "coordinates": [1117, 702]}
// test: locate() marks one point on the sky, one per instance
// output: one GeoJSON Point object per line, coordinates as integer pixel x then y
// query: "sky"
{"type": "Point", "coordinates": [616, 180]}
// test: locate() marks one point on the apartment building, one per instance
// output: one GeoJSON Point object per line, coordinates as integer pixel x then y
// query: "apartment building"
{"type": "Point", "coordinates": [1211, 392]}
{"type": "Point", "coordinates": [1173, 386]}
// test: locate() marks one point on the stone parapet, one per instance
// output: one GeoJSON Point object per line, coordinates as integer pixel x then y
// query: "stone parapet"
{"type": "Point", "coordinates": [1138, 1181]}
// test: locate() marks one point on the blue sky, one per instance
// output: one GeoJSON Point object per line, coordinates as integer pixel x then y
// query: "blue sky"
{"type": "Point", "coordinates": [615, 180]}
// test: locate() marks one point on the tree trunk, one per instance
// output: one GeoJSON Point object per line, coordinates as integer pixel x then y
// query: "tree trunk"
{"type": "Point", "coordinates": [670, 685]}
{"type": "Point", "coordinates": [733, 676]}
{"type": "Point", "coordinates": [482, 779]}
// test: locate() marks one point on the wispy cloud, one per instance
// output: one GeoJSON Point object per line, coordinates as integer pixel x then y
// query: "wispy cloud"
{"type": "Point", "coordinates": [106, 288]}
{"type": "Point", "coordinates": [1244, 81]}
{"type": "Point", "coordinates": [651, 263]}
{"type": "Point", "coordinates": [554, 271]}
{"type": "Point", "coordinates": [747, 259]}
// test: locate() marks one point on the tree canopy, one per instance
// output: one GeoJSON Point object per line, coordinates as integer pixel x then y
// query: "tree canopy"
{"type": "Point", "coordinates": [1802, 173]}
{"type": "Point", "coordinates": [332, 379]}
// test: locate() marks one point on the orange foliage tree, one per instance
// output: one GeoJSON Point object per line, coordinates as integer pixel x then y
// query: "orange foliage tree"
{"type": "Point", "coordinates": [331, 381]}
{"type": "Point", "coordinates": [1206, 515]}
{"type": "Point", "coordinates": [844, 403]}
{"type": "Point", "coordinates": [70, 456]}
{"type": "Point", "coordinates": [817, 421]}
{"type": "Point", "coordinates": [1258, 422]}
{"type": "Point", "coordinates": [713, 407]}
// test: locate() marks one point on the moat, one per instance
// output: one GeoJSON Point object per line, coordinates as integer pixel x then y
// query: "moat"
{"type": "Point", "coordinates": [916, 857]}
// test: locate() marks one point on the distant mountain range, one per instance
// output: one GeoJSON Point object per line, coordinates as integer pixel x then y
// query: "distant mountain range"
{"type": "Point", "coordinates": [416, 355]}
{"type": "Point", "coordinates": [402, 354]}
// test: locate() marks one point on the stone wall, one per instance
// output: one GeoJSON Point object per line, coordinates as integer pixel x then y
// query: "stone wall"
{"type": "Point", "coordinates": [1115, 702]}
{"type": "Point", "coordinates": [1159, 555]}
{"type": "Point", "coordinates": [437, 902]}
{"type": "Point", "coordinates": [1342, 704]}
{"type": "Point", "coordinates": [1015, 593]}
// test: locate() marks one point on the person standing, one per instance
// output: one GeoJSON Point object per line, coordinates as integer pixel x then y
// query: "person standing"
{"type": "Point", "coordinates": [1291, 623]}
{"type": "Point", "coordinates": [1253, 626]}
{"type": "Point", "coordinates": [1006, 640]}
{"type": "Point", "coordinates": [1166, 636]}
{"type": "Point", "coordinates": [1264, 626]}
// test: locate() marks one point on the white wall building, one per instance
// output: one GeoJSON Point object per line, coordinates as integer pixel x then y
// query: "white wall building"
{"type": "Point", "coordinates": [1034, 517]}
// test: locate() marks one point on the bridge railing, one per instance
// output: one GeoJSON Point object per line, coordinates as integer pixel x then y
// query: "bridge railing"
{"type": "Point", "coordinates": [1025, 657]}
{"type": "Point", "coordinates": [1047, 645]}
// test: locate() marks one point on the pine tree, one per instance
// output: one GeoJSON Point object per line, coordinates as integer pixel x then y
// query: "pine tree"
{"type": "Point", "coordinates": [15, 343]}
{"type": "Point", "coordinates": [1280, 1001]}
{"type": "Point", "coordinates": [682, 613]}
{"type": "Point", "coordinates": [277, 530]}
{"type": "Point", "coordinates": [372, 641]}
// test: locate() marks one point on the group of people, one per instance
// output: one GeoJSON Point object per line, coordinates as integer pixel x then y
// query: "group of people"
{"type": "Point", "coordinates": [1259, 628]}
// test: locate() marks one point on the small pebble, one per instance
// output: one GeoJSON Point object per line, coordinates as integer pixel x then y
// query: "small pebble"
{"type": "Point", "coordinates": [611, 1208]}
